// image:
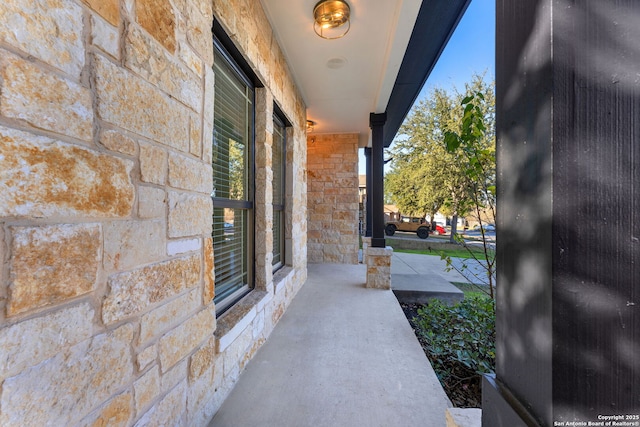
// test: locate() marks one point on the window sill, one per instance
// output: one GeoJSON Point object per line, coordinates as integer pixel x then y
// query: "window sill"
{"type": "Point", "coordinates": [235, 320]}
{"type": "Point", "coordinates": [232, 323]}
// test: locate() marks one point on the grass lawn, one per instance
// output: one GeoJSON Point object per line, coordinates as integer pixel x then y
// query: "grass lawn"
{"type": "Point", "coordinates": [472, 290]}
{"type": "Point", "coordinates": [454, 251]}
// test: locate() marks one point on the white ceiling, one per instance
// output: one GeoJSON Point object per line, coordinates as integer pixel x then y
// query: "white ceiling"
{"type": "Point", "coordinates": [340, 99]}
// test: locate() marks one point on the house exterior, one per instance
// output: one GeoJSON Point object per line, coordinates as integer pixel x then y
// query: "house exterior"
{"type": "Point", "coordinates": [159, 201]}
{"type": "Point", "coordinates": [160, 197]}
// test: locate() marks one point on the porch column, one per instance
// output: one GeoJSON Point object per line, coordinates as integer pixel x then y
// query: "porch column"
{"type": "Point", "coordinates": [568, 243]}
{"type": "Point", "coordinates": [367, 159]}
{"type": "Point", "coordinates": [376, 122]}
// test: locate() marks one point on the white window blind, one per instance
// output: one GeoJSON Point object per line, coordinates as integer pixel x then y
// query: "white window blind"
{"type": "Point", "coordinates": [278, 166]}
{"type": "Point", "coordinates": [232, 161]}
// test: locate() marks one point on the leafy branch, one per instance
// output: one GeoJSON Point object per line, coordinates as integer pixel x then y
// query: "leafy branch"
{"type": "Point", "coordinates": [474, 142]}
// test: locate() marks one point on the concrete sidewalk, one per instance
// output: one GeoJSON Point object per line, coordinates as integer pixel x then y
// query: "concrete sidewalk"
{"type": "Point", "coordinates": [417, 278]}
{"type": "Point", "coordinates": [429, 265]}
{"type": "Point", "coordinates": [342, 355]}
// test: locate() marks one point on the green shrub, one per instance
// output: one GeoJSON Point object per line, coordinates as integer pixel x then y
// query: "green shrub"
{"type": "Point", "coordinates": [459, 339]}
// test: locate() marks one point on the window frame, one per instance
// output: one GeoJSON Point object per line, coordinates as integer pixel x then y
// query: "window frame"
{"type": "Point", "coordinates": [223, 303]}
{"type": "Point", "coordinates": [281, 124]}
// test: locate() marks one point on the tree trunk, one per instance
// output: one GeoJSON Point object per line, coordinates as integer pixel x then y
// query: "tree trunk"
{"type": "Point", "coordinates": [454, 228]}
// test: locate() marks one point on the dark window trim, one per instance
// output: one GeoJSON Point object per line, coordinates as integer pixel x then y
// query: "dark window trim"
{"type": "Point", "coordinates": [224, 46]}
{"type": "Point", "coordinates": [280, 120]}
{"type": "Point", "coordinates": [233, 204]}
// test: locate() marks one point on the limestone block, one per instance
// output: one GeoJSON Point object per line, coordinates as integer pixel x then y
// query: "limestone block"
{"type": "Point", "coordinates": [199, 397]}
{"type": "Point", "coordinates": [147, 356]}
{"type": "Point", "coordinates": [52, 264]}
{"type": "Point", "coordinates": [177, 247]}
{"type": "Point", "coordinates": [189, 214]}
{"type": "Point", "coordinates": [234, 354]}
{"type": "Point", "coordinates": [209, 92]}
{"type": "Point", "coordinates": [379, 267]}
{"type": "Point", "coordinates": [190, 174]}
{"type": "Point", "coordinates": [148, 59]}
{"type": "Point", "coordinates": [173, 377]}
{"type": "Point", "coordinates": [152, 202]}
{"type": "Point", "coordinates": [132, 292]}
{"type": "Point", "coordinates": [199, 19]}
{"type": "Point", "coordinates": [44, 100]}
{"type": "Point", "coordinates": [117, 412]}
{"type": "Point", "coordinates": [105, 37]}
{"type": "Point", "coordinates": [190, 58]}
{"type": "Point", "coordinates": [127, 244]}
{"type": "Point", "coordinates": [135, 105]}
{"type": "Point", "coordinates": [153, 164]}
{"type": "Point", "coordinates": [30, 342]}
{"type": "Point", "coordinates": [181, 341]}
{"type": "Point", "coordinates": [108, 9]}
{"type": "Point", "coordinates": [218, 376]}
{"type": "Point", "coordinates": [50, 31]}
{"type": "Point", "coordinates": [258, 325]}
{"type": "Point", "coordinates": [195, 133]}
{"type": "Point", "coordinates": [65, 388]}
{"type": "Point", "coordinates": [209, 272]}
{"type": "Point", "coordinates": [264, 116]}
{"type": "Point", "coordinates": [203, 360]}
{"type": "Point", "coordinates": [378, 278]}
{"type": "Point", "coordinates": [157, 17]}
{"type": "Point", "coordinates": [162, 318]}
{"type": "Point", "coordinates": [116, 141]}
{"type": "Point", "coordinates": [41, 177]}
{"type": "Point", "coordinates": [278, 306]}
{"type": "Point", "coordinates": [226, 11]}
{"type": "Point", "coordinates": [207, 137]}
{"type": "Point", "coordinates": [169, 411]}
{"type": "Point", "coordinates": [332, 255]}
{"type": "Point", "coordinates": [146, 388]}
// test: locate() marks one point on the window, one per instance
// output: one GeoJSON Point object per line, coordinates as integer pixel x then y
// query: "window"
{"type": "Point", "coordinates": [232, 195]}
{"type": "Point", "coordinates": [279, 167]}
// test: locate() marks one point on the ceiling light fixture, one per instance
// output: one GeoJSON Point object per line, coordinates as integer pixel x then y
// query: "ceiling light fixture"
{"type": "Point", "coordinates": [329, 18]}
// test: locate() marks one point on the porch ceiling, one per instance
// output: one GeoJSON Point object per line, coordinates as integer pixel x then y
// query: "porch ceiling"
{"type": "Point", "coordinates": [383, 61]}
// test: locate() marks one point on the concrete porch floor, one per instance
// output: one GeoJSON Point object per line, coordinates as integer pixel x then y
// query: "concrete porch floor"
{"type": "Point", "coordinates": [342, 355]}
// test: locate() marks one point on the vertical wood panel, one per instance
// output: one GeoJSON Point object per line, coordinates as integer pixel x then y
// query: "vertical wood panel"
{"type": "Point", "coordinates": [595, 250]}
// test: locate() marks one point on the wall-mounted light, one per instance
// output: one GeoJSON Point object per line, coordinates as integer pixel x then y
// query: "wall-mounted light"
{"type": "Point", "coordinates": [330, 17]}
{"type": "Point", "coordinates": [310, 125]}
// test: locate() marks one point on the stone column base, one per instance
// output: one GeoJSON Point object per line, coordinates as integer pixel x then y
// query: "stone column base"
{"type": "Point", "coordinates": [366, 243]}
{"type": "Point", "coordinates": [379, 267]}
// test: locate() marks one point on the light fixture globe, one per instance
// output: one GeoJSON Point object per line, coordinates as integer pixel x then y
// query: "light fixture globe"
{"type": "Point", "coordinates": [329, 18]}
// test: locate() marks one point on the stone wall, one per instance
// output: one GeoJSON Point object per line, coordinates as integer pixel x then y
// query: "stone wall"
{"type": "Point", "coordinates": [333, 198]}
{"type": "Point", "coordinates": [106, 259]}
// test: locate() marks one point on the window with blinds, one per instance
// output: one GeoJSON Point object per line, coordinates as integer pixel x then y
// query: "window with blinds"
{"type": "Point", "coordinates": [279, 167]}
{"type": "Point", "coordinates": [232, 181]}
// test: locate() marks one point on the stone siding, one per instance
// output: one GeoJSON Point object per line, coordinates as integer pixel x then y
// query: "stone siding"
{"type": "Point", "coordinates": [333, 198]}
{"type": "Point", "coordinates": [107, 272]}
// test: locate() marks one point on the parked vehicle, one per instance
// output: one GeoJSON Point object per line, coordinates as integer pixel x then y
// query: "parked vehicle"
{"type": "Point", "coordinates": [485, 227]}
{"type": "Point", "coordinates": [439, 230]}
{"type": "Point", "coordinates": [406, 223]}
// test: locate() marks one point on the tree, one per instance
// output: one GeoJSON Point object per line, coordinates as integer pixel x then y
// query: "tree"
{"type": "Point", "coordinates": [425, 177]}
{"type": "Point", "coordinates": [444, 159]}
{"type": "Point", "coordinates": [415, 181]}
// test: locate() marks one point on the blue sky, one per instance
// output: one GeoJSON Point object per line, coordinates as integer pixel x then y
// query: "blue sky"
{"type": "Point", "coordinates": [470, 50]}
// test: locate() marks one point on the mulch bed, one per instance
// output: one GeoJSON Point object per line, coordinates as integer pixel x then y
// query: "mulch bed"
{"type": "Point", "coordinates": [463, 391]}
